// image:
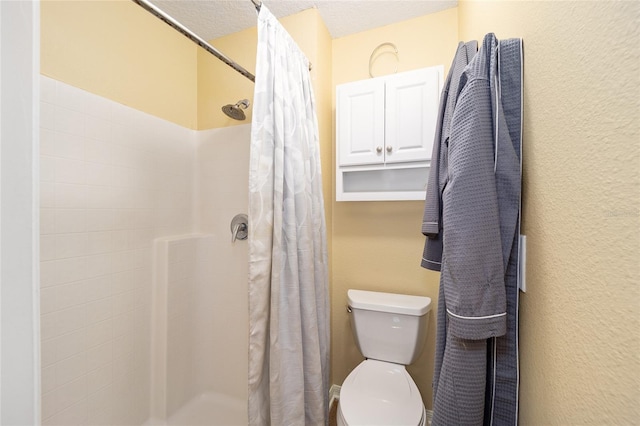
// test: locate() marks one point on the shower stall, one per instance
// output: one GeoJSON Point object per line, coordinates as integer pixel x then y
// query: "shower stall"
{"type": "Point", "coordinates": [144, 293]}
{"type": "Point", "coordinates": [144, 312]}
{"type": "Point", "coordinates": [144, 308]}
{"type": "Point", "coordinates": [199, 315]}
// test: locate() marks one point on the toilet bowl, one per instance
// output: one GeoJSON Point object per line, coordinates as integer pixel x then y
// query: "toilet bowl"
{"type": "Point", "coordinates": [390, 331]}
{"type": "Point", "coordinates": [380, 393]}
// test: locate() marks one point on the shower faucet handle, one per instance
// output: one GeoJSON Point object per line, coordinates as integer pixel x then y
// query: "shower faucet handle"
{"type": "Point", "coordinates": [239, 227]}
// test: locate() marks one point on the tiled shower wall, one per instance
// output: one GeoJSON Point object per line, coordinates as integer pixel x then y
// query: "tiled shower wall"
{"type": "Point", "coordinates": [112, 180]}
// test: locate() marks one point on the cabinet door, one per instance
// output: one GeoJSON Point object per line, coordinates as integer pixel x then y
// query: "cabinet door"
{"type": "Point", "coordinates": [412, 109]}
{"type": "Point", "coordinates": [360, 122]}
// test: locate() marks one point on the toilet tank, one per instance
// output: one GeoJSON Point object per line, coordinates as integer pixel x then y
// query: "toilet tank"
{"type": "Point", "coordinates": [389, 327]}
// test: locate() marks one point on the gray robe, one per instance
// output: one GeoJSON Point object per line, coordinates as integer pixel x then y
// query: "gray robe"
{"type": "Point", "coordinates": [480, 216]}
{"type": "Point", "coordinates": [432, 219]}
{"type": "Point", "coordinates": [503, 377]}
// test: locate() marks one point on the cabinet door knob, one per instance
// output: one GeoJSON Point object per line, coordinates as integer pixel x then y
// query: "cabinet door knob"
{"type": "Point", "coordinates": [389, 149]}
{"type": "Point", "coordinates": [379, 149]}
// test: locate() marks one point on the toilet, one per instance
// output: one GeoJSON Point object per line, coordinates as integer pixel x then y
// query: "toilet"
{"type": "Point", "coordinates": [390, 331]}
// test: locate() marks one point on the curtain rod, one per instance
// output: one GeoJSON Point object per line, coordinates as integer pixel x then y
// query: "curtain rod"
{"type": "Point", "coordinates": [158, 13]}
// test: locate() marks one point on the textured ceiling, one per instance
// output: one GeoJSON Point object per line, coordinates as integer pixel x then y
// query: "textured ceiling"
{"type": "Point", "coordinates": [211, 19]}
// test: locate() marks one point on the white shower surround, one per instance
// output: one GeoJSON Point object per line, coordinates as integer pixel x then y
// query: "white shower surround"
{"type": "Point", "coordinates": [113, 179]}
{"type": "Point", "coordinates": [187, 356]}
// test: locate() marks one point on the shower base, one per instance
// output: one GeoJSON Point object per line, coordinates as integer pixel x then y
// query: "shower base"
{"type": "Point", "coordinates": [209, 409]}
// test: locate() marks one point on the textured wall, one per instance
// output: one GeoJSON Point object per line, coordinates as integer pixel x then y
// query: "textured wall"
{"type": "Point", "coordinates": [378, 245]}
{"type": "Point", "coordinates": [580, 317]}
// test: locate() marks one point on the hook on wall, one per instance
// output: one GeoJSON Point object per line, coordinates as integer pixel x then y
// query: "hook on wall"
{"type": "Point", "coordinates": [395, 52]}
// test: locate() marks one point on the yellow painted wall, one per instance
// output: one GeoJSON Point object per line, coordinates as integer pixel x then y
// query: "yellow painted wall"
{"type": "Point", "coordinates": [117, 50]}
{"type": "Point", "coordinates": [321, 74]}
{"type": "Point", "coordinates": [219, 84]}
{"type": "Point", "coordinates": [378, 245]}
{"type": "Point", "coordinates": [580, 318]}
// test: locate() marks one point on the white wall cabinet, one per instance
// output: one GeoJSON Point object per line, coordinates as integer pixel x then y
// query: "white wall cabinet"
{"type": "Point", "coordinates": [384, 135]}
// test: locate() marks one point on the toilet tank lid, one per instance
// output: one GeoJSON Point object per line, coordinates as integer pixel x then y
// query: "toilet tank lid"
{"type": "Point", "coordinates": [389, 302]}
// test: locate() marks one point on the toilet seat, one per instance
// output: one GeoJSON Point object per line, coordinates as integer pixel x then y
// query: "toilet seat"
{"type": "Point", "coordinates": [378, 393]}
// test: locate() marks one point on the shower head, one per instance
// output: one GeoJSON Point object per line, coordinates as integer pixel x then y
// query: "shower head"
{"type": "Point", "coordinates": [236, 111]}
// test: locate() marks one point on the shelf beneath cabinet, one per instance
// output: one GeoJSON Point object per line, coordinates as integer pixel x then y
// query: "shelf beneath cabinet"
{"type": "Point", "coordinates": [404, 182]}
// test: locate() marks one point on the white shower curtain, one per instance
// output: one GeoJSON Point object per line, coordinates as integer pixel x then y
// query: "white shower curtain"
{"type": "Point", "coordinates": [288, 278]}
